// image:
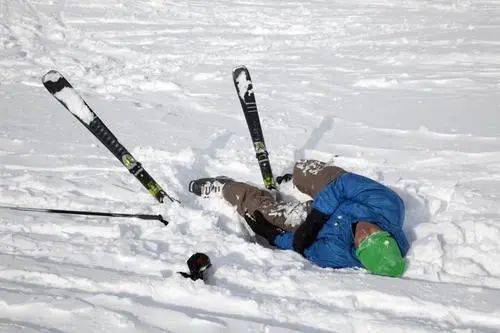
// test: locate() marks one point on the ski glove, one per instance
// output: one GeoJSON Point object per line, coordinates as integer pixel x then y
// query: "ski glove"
{"type": "Point", "coordinates": [262, 227]}
{"type": "Point", "coordinates": [306, 233]}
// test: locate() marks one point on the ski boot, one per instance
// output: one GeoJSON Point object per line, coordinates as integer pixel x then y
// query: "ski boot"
{"type": "Point", "coordinates": [208, 187]}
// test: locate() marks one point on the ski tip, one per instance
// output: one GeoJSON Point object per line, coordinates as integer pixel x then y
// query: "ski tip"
{"type": "Point", "coordinates": [54, 81]}
{"type": "Point", "coordinates": [239, 68]}
{"type": "Point", "coordinates": [51, 76]}
{"type": "Point", "coordinates": [241, 73]}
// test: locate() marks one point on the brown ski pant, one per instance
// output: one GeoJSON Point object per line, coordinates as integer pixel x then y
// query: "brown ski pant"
{"type": "Point", "coordinates": [309, 176]}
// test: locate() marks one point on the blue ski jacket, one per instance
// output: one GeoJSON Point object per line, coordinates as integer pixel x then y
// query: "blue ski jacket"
{"type": "Point", "coordinates": [348, 199]}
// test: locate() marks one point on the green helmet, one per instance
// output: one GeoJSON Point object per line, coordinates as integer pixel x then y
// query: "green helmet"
{"type": "Point", "coordinates": [380, 254]}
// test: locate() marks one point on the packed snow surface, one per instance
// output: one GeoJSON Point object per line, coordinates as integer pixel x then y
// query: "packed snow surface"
{"type": "Point", "coordinates": [404, 92]}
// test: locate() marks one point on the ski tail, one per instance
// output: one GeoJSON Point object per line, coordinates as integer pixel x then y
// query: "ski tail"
{"type": "Point", "coordinates": [244, 89]}
{"type": "Point", "coordinates": [62, 90]}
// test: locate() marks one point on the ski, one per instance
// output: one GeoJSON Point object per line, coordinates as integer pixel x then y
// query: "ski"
{"type": "Point", "coordinates": [62, 90]}
{"type": "Point", "coordinates": [244, 89]}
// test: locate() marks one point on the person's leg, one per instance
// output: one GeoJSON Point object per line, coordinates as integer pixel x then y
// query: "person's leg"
{"type": "Point", "coordinates": [311, 176]}
{"type": "Point", "coordinates": [248, 198]}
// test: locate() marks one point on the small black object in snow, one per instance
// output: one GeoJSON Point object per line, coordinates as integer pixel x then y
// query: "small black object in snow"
{"type": "Point", "coordinates": [198, 264]}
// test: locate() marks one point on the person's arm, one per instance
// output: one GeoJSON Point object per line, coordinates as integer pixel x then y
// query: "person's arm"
{"type": "Point", "coordinates": [284, 241]}
{"type": "Point", "coordinates": [368, 200]}
{"type": "Point", "coordinates": [324, 252]}
{"type": "Point", "coordinates": [337, 193]}
{"type": "Point", "coordinates": [262, 227]}
{"type": "Point", "coordinates": [307, 232]}
{"type": "Point", "coordinates": [325, 203]}
{"type": "Point", "coordinates": [327, 252]}
{"type": "Point", "coordinates": [330, 197]}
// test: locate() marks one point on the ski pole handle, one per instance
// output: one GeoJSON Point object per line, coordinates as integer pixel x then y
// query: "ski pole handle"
{"type": "Point", "coordinates": [152, 217]}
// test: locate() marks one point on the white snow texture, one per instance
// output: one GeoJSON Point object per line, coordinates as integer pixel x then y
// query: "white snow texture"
{"type": "Point", "coordinates": [405, 92]}
{"type": "Point", "coordinates": [75, 104]}
{"type": "Point", "coordinates": [71, 99]}
{"type": "Point", "coordinates": [243, 84]}
{"type": "Point", "coordinates": [52, 76]}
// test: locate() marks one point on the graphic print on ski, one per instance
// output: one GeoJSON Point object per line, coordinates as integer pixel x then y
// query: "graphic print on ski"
{"type": "Point", "coordinates": [60, 88]}
{"type": "Point", "coordinates": [244, 88]}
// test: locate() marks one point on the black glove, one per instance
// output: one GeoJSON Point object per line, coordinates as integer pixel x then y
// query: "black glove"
{"type": "Point", "coordinates": [306, 233]}
{"type": "Point", "coordinates": [262, 227]}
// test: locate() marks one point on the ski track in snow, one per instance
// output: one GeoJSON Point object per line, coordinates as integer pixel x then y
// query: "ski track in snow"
{"type": "Point", "coordinates": [406, 92]}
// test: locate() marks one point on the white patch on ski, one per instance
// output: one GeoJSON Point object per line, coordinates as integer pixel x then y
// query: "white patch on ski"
{"type": "Point", "coordinates": [243, 84]}
{"type": "Point", "coordinates": [52, 76]}
{"type": "Point", "coordinates": [75, 104]}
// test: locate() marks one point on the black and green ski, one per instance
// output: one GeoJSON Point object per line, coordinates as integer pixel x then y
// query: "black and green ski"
{"type": "Point", "coordinates": [60, 88]}
{"type": "Point", "coordinates": [244, 88]}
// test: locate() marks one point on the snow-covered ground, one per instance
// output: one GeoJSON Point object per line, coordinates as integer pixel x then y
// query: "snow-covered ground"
{"type": "Point", "coordinates": [406, 92]}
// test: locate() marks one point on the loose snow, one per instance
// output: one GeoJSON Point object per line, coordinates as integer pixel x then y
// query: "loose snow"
{"type": "Point", "coordinates": [404, 92]}
{"type": "Point", "coordinates": [52, 76]}
{"type": "Point", "coordinates": [243, 85]}
{"type": "Point", "coordinates": [75, 104]}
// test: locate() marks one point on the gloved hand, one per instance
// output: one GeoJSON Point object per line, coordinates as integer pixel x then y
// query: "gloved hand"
{"type": "Point", "coordinates": [262, 227]}
{"type": "Point", "coordinates": [306, 233]}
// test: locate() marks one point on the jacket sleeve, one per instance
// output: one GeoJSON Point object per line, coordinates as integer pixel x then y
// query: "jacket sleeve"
{"type": "Point", "coordinates": [368, 200]}
{"type": "Point", "coordinates": [326, 252]}
{"type": "Point", "coordinates": [363, 197]}
{"type": "Point", "coordinates": [346, 187]}
{"type": "Point", "coordinates": [330, 197]}
{"type": "Point", "coordinates": [284, 241]}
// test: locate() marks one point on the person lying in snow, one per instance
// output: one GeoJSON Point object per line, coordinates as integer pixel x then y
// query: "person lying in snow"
{"type": "Point", "coordinates": [353, 221]}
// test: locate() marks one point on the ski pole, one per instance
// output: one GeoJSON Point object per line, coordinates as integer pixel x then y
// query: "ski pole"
{"type": "Point", "coordinates": [90, 213]}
